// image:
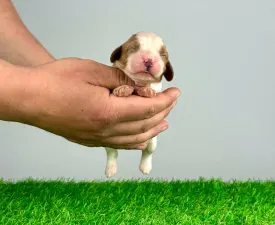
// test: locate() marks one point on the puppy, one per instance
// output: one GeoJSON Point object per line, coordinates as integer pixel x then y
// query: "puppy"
{"type": "Point", "coordinates": [144, 58]}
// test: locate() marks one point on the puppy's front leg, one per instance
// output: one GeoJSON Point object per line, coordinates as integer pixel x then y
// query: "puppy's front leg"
{"type": "Point", "coordinates": [111, 164]}
{"type": "Point", "coordinates": [123, 91]}
{"type": "Point", "coordinates": [146, 158]}
{"type": "Point", "coordinates": [146, 91]}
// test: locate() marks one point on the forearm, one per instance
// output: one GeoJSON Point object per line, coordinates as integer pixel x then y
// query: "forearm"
{"type": "Point", "coordinates": [17, 44]}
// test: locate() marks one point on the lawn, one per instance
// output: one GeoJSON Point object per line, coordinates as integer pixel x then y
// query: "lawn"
{"type": "Point", "coordinates": [137, 202]}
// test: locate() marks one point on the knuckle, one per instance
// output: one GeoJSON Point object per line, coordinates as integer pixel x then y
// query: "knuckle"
{"type": "Point", "coordinates": [151, 112]}
{"type": "Point", "coordinates": [105, 117]}
{"type": "Point", "coordinates": [101, 135]}
{"type": "Point", "coordinates": [165, 114]}
{"type": "Point", "coordinates": [141, 138]}
{"type": "Point", "coordinates": [106, 121]}
{"type": "Point", "coordinates": [144, 128]}
{"type": "Point", "coordinates": [92, 137]}
{"type": "Point", "coordinates": [111, 115]}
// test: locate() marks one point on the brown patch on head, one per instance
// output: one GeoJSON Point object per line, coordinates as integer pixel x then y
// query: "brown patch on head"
{"type": "Point", "coordinates": [122, 52]}
{"type": "Point", "coordinates": [168, 68]}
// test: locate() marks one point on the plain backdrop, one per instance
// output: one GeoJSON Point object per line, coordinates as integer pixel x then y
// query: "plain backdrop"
{"type": "Point", "coordinates": [223, 53]}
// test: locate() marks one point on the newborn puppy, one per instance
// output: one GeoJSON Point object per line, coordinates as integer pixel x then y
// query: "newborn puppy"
{"type": "Point", "coordinates": [144, 58]}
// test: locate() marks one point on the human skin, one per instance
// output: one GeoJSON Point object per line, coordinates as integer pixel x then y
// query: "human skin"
{"type": "Point", "coordinates": [72, 97]}
{"type": "Point", "coordinates": [17, 44]}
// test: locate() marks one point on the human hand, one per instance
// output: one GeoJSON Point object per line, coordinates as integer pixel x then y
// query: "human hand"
{"type": "Point", "coordinates": [71, 98]}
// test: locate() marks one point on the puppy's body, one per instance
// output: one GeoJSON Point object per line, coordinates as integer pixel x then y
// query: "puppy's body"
{"type": "Point", "coordinates": [144, 58]}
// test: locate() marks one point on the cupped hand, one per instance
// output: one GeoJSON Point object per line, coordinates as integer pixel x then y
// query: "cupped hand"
{"type": "Point", "coordinates": [72, 98]}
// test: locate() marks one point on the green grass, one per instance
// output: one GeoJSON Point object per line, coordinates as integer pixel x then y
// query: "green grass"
{"type": "Point", "coordinates": [137, 202]}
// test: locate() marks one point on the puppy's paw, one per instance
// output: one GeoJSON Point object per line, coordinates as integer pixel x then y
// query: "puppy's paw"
{"type": "Point", "coordinates": [123, 91]}
{"type": "Point", "coordinates": [110, 170]}
{"type": "Point", "coordinates": [146, 92]}
{"type": "Point", "coordinates": [145, 167]}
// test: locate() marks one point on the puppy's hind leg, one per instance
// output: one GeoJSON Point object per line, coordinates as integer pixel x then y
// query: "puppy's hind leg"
{"type": "Point", "coordinates": [146, 157]}
{"type": "Point", "coordinates": [111, 164]}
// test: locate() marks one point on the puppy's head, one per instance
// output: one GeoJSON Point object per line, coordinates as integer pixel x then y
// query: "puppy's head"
{"type": "Point", "coordinates": [144, 58]}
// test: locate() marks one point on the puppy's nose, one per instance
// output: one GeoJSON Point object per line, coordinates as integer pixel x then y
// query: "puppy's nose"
{"type": "Point", "coordinates": [148, 63]}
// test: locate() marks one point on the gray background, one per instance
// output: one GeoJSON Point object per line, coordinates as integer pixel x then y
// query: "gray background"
{"type": "Point", "coordinates": [223, 55]}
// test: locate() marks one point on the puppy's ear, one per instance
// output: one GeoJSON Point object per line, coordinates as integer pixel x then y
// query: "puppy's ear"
{"type": "Point", "coordinates": [116, 54]}
{"type": "Point", "coordinates": [169, 72]}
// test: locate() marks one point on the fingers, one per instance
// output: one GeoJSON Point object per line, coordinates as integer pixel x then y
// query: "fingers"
{"type": "Point", "coordinates": [135, 108]}
{"type": "Point", "coordinates": [81, 143]}
{"type": "Point", "coordinates": [138, 142]}
{"type": "Point", "coordinates": [139, 146]}
{"type": "Point", "coordinates": [140, 138]}
{"type": "Point", "coordinates": [94, 72]}
{"type": "Point", "coordinates": [141, 126]}
{"type": "Point", "coordinates": [107, 76]}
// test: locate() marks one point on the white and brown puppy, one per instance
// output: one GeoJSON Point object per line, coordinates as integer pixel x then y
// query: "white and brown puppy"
{"type": "Point", "coordinates": [144, 58]}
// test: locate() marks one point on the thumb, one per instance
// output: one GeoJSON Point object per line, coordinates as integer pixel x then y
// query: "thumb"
{"type": "Point", "coordinates": [116, 77]}
{"type": "Point", "coordinates": [108, 76]}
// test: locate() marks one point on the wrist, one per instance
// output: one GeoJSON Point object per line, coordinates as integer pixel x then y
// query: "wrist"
{"type": "Point", "coordinates": [14, 93]}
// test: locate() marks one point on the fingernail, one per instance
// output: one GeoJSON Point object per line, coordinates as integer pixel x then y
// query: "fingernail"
{"type": "Point", "coordinates": [164, 128]}
{"type": "Point", "coordinates": [174, 103]}
{"type": "Point", "coordinates": [142, 146]}
{"type": "Point", "coordinates": [178, 94]}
